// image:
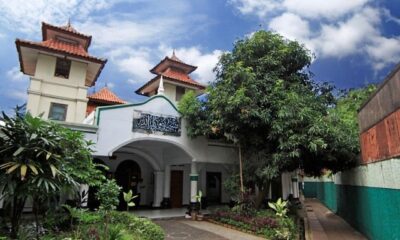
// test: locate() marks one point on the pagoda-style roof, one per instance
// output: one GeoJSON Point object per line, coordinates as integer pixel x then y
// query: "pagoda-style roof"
{"type": "Point", "coordinates": [174, 71]}
{"type": "Point", "coordinates": [172, 62]}
{"type": "Point", "coordinates": [65, 41]}
{"type": "Point", "coordinates": [49, 31]}
{"type": "Point", "coordinates": [105, 95]}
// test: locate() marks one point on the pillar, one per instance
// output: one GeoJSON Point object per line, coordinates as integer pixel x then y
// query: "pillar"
{"type": "Point", "coordinates": [166, 202]}
{"type": "Point", "coordinates": [158, 188]}
{"type": "Point", "coordinates": [84, 193]}
{"type": "Point", "coordinates": [194, 177]}
{"type": "Point", "coordinates": [295, 185]}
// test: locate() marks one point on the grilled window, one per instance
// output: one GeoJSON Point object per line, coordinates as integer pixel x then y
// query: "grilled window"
{"type": "Point", "coordinates": [58, 111]}
{"type": "Point", "coordinates": [63, 66]}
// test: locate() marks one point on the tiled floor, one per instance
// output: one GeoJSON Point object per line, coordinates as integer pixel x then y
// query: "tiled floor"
{"type": "Point", "coordinates": [165, 213]}
{"type": "Point", "coordinates": [326, 225]}
{"type": "Point", "coordinates": [200, 230]}
{"type": "Point", "coordinates": [161, 213]}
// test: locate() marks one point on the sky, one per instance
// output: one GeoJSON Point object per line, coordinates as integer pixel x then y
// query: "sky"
{"type": "Point", "coordinates": [355, 42]}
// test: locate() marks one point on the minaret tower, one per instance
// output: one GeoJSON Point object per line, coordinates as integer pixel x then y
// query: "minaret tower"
{"type": "Point", "coordinates": [61, 70]}
{"type": "Point", "coordinates": [172, 80]}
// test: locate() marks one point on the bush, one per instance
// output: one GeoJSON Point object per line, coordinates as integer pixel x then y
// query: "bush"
{"type": "Point", "coordinates": [122, 226]}
{"type": "Point", "coordinates": [144, 227]}
{"type": "Point", "coordinates": [264, 223]}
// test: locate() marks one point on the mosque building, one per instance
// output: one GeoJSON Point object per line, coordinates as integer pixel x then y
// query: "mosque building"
{"type": "Point", "coordinates": [145, 145]}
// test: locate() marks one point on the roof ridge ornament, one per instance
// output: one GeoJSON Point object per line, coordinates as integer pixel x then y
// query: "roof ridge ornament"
{"type": "Point", "coordinates": [160, 90]}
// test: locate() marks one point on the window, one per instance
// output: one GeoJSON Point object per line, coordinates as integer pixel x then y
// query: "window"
{"type": "Point", "coordinates": [62, 67]}
{"type": "Point", "coordinates": [180, 91]}
{"type": "Point", "coordinates": [58, 111]}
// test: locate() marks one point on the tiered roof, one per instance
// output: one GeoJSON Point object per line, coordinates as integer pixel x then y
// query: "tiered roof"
{"type": "Point", "coordinates": [64, 40]}
{"type": "Point", "coordinates": [173, 70]}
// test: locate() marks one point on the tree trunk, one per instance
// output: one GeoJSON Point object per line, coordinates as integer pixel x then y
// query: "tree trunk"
{"type": "Point", "coordinates": [17, 208]}
{"type": "Point", "coordinates": [241, 174]}
{"type": "Point", "coordinates": [35, 213]}
{"type": "Point", "coordinates": [261, 195]}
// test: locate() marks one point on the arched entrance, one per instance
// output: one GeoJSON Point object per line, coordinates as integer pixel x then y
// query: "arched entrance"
{"type": "Point", "coordinates": [128, 177]}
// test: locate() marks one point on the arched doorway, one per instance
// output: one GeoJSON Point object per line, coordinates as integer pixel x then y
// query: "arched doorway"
{"type": "Point", "coordinates": [128, 177]}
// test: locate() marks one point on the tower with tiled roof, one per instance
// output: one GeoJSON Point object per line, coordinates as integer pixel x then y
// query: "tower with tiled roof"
{"type": "Point", "coordinates": [174, 76]}
{"type": "Point", "coordinates": [104, 97]}
{"type": "Point", "coordinates": [61, 70]}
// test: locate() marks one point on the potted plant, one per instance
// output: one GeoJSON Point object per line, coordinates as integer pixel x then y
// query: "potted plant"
{"type": "Point", "coordinates": [198, 197]}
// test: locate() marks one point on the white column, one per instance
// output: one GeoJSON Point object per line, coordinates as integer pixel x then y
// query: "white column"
{"type": "Point", "coordinates": [286, 184]}
{"type": "Point", "coordinates": [295, 185]}
{"type": "Point", "coordinates": [158, 188]}
{"type": "Point", "coordinates": [1, 201]}
{"type": "Point", "coordinates": [194, 177]}
{"type": "Point", "coordinates": [167, 181]}
{"type": "Point", "coordinates": [84, 192]}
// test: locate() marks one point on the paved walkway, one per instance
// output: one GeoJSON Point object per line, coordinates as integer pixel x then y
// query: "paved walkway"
{"type": "Point", "coordinates": [200, 230]}
{"type": "Point", "coordinates": [325, 225]}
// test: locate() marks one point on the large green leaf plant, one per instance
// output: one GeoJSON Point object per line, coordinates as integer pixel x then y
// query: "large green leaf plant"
{"type": "Point", "coordinates": [39, 159]}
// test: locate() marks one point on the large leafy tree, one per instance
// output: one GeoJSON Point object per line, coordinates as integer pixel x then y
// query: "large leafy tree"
{"type": "Point", "coordinates": [264, 98]}
{"type": "Point", "coordinates": [39, 159]}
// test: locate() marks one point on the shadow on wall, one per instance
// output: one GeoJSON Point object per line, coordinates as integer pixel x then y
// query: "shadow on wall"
{"type": "Point", "coordinates": [373, 211]}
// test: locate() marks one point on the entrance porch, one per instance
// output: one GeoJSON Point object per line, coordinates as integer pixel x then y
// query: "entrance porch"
{"type": "Point", "coordinates": [165, 175]}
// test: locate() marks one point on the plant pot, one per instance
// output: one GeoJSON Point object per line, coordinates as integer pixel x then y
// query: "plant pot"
{"type": "Point", "coordinates": [200, 217]}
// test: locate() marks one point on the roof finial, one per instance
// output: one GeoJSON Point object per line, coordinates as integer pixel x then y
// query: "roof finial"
{"type": "Point", "coordinates": [160, 90]}
{"type": "Point", "coordinates": [69, 22]}
{"type": "Point", "coordinates": [173, 53]}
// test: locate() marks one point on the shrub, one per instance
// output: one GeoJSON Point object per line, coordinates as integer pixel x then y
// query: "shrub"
{"type": "Point", "coordinates": [144, 227]}
{"type": "Point", "coordinates": [264, 223]}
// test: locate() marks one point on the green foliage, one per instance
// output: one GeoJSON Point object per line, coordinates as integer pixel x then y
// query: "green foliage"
{"type": "Point", "coordinates": [265, 100]}
{"type": "Point", "coordinates": [232, 186]}
{"type": "Point", "coordinates": [195, 114]}
{"type": "Point", "coordinates": [128, 198]}
{"type": "Point", "coordinates": [142, 226]}
{"type": "Point", "coordinates": [264, 223]}
{"type": "Point", "coordinates": [108, 195]}
{"type": "Point", "coordinates": [122, 226]}
{"type": "Point", "coordinates": [280, 207]}
{"type": "Point", "coordinates": [40, 159]}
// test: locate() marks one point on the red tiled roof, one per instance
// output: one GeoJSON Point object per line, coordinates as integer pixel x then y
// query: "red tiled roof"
{"type": "Point", "coordinates": [61, 47]}
{"type": "Point", "coordinates": [171, 61]}
{"type": "Point", "coordinates": [105, 95]}
{"type": "Point", "coordinates": [68, 28]}
{"type": "Point", "coordinates": [172, 76]}
{"type": "Point", "coordinates": [181, 77]}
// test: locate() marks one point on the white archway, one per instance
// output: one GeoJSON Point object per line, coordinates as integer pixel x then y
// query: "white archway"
{"type": "Point", "coordinates": [187, 150]}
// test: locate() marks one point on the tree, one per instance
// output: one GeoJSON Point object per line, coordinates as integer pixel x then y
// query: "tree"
{"type": "Point", "coordinates": [108, 197]}
{"type": "Point", "coordinates": [38, 159]}
{"type": "Point", "coordinates": [265, 99]}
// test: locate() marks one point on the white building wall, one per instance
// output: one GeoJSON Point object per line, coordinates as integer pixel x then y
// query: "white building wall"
{"type": "Point", "coordinates": [115, 131]}
{"type": "Point", "coordinates": [46, 88]}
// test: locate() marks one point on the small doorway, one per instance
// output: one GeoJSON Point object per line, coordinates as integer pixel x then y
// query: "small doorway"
{"type": "Point", "coordinates": [213, 181]}
{"type": "Point", "coordinates": [176, 190]}
{"type": "Point", "coordinates": [128, 176]}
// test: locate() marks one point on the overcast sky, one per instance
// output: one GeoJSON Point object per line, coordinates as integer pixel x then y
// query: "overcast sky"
{"type": "Point", "coordinates": [355, 42]}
